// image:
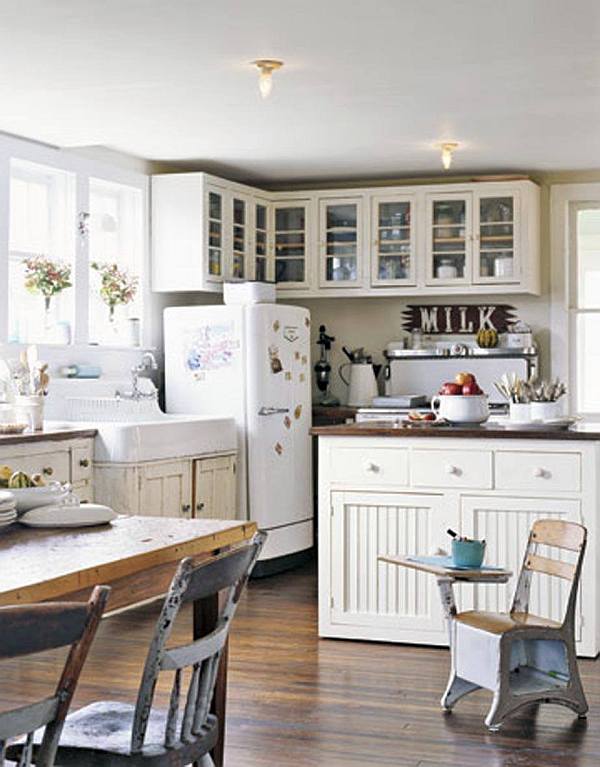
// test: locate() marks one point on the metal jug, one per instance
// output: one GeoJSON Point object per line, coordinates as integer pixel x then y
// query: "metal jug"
{"type": "Point", "coordinates": [361, 383]}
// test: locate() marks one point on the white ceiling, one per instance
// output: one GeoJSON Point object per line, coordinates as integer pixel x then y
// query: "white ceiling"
{"type": "Point", "coordinates": [367, 88]}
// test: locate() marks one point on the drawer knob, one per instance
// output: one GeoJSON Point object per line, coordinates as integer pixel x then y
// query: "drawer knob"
{"type": "Point", "coordinates": [199, 507]}
{"type": "Point", "coordinates": [48, 471]}
{"type": "Point", "coordinates": [84, 463]}
{"type": "Point", "coordinates": [372, 467]}
{"type": "Point", "coordinates": [540, 472]}
{"type": "Point", "coordinates": [454, 470]}
{"type": "Point", "coordinates": [186, 508]}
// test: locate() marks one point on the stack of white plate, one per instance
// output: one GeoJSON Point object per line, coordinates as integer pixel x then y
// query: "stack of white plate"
{"type": "Point", "coordinates": [8, 508]}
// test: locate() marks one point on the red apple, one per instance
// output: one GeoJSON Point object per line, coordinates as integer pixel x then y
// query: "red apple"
{"type": "Point", "coordinates": [451, 389]}
{"type": "Point", "coordinates": [471, 388]}
{"type": "Point", "coordinates": [464, 378]}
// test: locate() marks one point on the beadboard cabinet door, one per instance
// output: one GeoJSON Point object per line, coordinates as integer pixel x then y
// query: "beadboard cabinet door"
{"type": "Point", "coordinates": [505, 524]}
{"type": "Point", "coordinates": [375, 597]}
{"type": "Point", "coordinates": [215, 495]}
{"type": "Point", "coordinates": [165, 489]}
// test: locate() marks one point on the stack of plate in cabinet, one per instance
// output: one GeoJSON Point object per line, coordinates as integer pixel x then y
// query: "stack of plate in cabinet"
{"type": "Point", "coordinates": [8, 508]}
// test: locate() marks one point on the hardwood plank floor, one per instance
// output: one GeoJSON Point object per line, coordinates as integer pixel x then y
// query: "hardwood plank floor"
{"type": "Point", "coordinates": [296, 701]}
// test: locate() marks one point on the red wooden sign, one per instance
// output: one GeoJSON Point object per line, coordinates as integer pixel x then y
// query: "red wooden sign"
{"type": "Point", "coordinates": [452, 319]}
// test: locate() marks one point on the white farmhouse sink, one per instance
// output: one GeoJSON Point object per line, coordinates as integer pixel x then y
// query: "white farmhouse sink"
{"type": "Point", "coordinates": [131, 432]}
{"type": "Point", "coordinates": [171, 436]}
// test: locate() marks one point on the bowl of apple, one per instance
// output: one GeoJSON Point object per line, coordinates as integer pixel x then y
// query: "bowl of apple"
{"type": "Point", "coordinates": [461, 401]}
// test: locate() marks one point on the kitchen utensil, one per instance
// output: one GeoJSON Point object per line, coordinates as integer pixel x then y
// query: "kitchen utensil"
{"type": "Point", "coordinates": [461, 409]}
{"type": "Point", "coordinates": [467, 553]}
{"type": "Point", "coordinates": [361, 383]}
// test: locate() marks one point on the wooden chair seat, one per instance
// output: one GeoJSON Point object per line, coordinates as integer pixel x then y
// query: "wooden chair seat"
{"type": "Point", "coordinates": [99, 735]}
{"type": "Point", "coordinates": [502, 623]}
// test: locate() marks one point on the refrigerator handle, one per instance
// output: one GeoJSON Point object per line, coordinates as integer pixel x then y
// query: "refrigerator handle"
{"type": "Point", "coordinates": [273, 410]}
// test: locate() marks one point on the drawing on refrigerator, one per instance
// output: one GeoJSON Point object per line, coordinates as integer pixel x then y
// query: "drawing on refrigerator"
{"type": "Point", "coordinates": [249, 361]}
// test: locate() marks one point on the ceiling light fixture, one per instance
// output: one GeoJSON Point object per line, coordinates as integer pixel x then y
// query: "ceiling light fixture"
{"type": "Point", "coordinates": [266, 67]}
{"type": "Point", "coordinates": [448, 147]}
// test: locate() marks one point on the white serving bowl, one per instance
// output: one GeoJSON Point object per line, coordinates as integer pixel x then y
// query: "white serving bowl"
{"type": "Point", "coordinates": [461, 408]}
{"type": "Point", "coordinates": [31, 497]}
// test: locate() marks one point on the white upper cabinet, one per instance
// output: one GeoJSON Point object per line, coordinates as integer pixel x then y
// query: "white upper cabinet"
{"type": "Point", "coordinates": [449, 238]}
{"type": "Point", "coordinates": [261, 240]}
{"type": "Point", "coordinates": [393, 248]}
{"type": "Point", "coordinates": [497, 237]}
{"type": "Point", "coordinates": [292, 232]}
{"type": "Point", "coordinates": [341, 231]}
{"type": "Point", "coordinates": [411, 241]}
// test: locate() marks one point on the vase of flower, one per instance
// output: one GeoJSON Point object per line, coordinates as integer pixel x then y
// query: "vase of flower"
{"type": "Point", "coordinates": [46, 278]}
{"type": "Point", "coordinates": [117, 288]}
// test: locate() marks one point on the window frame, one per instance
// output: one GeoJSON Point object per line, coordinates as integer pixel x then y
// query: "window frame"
{"type": "Point", "coordinates": [565, 201]}
{"type": "Point", "coordinates": [84, 168]}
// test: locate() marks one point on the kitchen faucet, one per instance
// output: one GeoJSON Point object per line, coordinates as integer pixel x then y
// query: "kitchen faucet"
{"type": "Point", "coordinates": [147, 364]}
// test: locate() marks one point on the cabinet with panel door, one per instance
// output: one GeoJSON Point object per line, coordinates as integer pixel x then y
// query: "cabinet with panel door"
{"type": "Point", "coordinates": [203, 486]}
{"type": "Point", "coordinates": [399, 494]}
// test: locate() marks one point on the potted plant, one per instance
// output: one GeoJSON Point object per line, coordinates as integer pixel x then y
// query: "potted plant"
{"type": "Point", "coordinates": [117, 286]}
{"type": "Point", "coordinates": [46, 277]}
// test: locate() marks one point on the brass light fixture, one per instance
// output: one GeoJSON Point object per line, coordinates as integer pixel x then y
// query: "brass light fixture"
{"type": "Point", "coordinates": [266, 67]}
{"type": "Point", "coordinates": [448, 148]}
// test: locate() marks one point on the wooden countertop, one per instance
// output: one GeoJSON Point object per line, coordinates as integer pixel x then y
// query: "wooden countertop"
{"type": "Point", "coordinates": [48, 434]}
{"type": "Point", "coordinates": [581, 431]}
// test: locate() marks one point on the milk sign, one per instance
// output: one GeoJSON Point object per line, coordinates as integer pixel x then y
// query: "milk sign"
{"type": "Point", "coordinates": [453, 319]}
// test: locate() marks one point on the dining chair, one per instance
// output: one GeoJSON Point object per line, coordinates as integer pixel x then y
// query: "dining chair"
{"type": "Point", "coordinates": [28, 629]}
{"type": "Point", "coordinates": [524, 658]}
{"type": "Point", "coordinates": [115, 734]}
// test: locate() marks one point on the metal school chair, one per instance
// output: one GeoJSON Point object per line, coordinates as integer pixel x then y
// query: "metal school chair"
{"type": "Point", "coordinates": [523, 658]}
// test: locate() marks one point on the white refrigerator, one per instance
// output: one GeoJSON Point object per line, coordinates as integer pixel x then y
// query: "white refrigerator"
{"type": "Point", "coordinates": [252, 362]}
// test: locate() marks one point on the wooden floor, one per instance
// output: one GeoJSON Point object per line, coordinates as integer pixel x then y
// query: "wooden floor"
{"type": "Point", "coordinates": [297, 701]}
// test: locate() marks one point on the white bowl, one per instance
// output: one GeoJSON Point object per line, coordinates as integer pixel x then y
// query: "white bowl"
{"type": "Point", "coordinates": [461, 408]}
{"type": "Point", "coordinates": [31, 497]}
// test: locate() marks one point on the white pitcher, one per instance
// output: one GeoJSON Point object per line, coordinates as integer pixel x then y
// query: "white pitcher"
{"type": "Point", "coordinates": [361, 383]}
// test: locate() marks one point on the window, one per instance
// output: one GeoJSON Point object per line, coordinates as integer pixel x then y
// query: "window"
{"type": "Point", "coordinates": [116, 261]}
{"type": "Point", "coordinates": [77, 249]}
{"type": "Point", "coordinates": [585, 304]}
{"type": "Point", "coordinates": [41, 253]}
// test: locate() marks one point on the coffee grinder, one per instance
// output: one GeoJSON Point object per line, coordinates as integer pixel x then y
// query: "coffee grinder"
{"type": "Point", "coordinates": [323, 370]}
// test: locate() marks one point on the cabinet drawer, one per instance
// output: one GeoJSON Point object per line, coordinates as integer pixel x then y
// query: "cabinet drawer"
{"type": "Point", "coordinates": [538, 471]}
{"type": "Point", "coordinates": [451, 468]}
{"type": "Point", "coordinates": [81, 464]}
{"type": "Point", "coordinates": [52, 466]}
{"type": "Point", "coordinates": [374, 466]}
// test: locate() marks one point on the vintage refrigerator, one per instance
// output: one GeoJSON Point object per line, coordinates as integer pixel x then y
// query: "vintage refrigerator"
{"type": "Point", "coordinates": [253, 362]}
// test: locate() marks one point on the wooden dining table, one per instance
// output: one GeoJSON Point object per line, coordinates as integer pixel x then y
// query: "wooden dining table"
{"type": "Point", "coordinates": [135, 555]}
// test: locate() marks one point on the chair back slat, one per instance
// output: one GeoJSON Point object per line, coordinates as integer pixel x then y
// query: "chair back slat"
{"type": "Point", "coordinates": [189, 711]}
{"type": "Point", "coordinates": [190, 654]}
{"type": "Point", "coordinates": [225, 575]}
{"type": "Point", "coordinates": [173, 713]}
{"type": "Point", "coordinates": [27, 718]}
{"type": "Point", "coordinates": [48, 627]}
{"type": "Point", "coordinates": [557, 532]}
{"type": "Point", "coordinates": [214, 576]}
{"type": "Point", "coordinates": [26, 753]}
{"type": "Point", "coordinates": [48, 631]}
{"type": "Point", "coordinates": [550, 566]}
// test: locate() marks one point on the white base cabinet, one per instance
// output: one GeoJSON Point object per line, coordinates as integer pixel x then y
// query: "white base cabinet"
{"type": "Point", "coordinates": [399, 495]}
{"type": "Point", "coordinates": [67, 460]}
{"type": "Point", "coordinates": [195, 486]}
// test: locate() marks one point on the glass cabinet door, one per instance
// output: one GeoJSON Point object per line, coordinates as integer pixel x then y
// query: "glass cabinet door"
{"type": "Point", "coordinates": [340, 242]}
{"type": "Point", "coordinates": [393, 251]}
{"type": "Point", "coordinates": [240, 237]}
{"type": "Point", "coordinates": [496, 238]}
{"type": "Point", "coordinates": [215, 208]}
{"type": "Point", "coordinates": [291, 244]}
{"type": "Point", "coordinates": [450, 239]}
{"type": "Point", "coordinates": [262, 269]}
